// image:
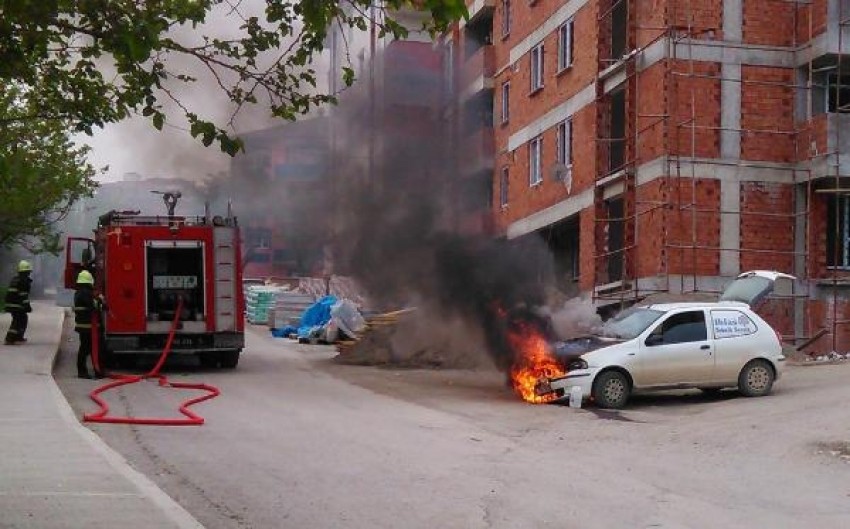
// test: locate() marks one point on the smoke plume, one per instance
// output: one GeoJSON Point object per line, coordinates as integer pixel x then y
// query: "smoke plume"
{"type": "Point", "coordinates": [397, 218]}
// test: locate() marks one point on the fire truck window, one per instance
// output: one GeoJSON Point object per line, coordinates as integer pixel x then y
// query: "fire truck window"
{"type": "Point", "coordinates": [175, 273]}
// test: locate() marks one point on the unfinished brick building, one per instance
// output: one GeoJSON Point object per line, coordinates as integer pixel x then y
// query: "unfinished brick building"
{"type": "Point", "coordinates": [667, 145]}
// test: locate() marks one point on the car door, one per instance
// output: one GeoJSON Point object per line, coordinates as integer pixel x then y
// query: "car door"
{"type": "Point", "coordinates": [734, 342]}
{"type": "Point", "coordinates": [677, 351]}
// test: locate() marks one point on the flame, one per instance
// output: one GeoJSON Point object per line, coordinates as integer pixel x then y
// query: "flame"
{"type": "Point", "coordinates": [532, 362]}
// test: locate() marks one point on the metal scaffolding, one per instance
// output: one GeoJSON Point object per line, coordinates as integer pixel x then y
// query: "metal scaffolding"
{"type": "Point", "coordinates": [683, 119]}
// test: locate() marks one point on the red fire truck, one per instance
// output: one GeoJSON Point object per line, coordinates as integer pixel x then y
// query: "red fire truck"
{"type": "Point", "coordinates": [144, 264]}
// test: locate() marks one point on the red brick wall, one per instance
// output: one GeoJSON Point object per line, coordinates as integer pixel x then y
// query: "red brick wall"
{"type": "Point", "coordinates": [828, 314]}
{"type": "Point", "coordinates": [651, 96]}
{"type": "Point", "coordinates": [649, 19]}
{"type": "Point", "coordinates": [767, 114]}
{"type": "Point", "coordinates": [767, 226]}
{"type": "Point", "coordinates": [524, 200]}
{"type": "Point", "coordinates": [779, 313]}
{"type": "Point", "coordinates": [695, 100]}
{"type": "Point", "coordinates": [815, 130]}
{"type": "Point", "coordinates": [816, 258]}
{"type": "Point", "coordinates": [769, 22]}
{"type": "Point", "coordinates": [693, 217]}
{"type": "Point", "coordinates": [650, 251]}
{"type": "Point", "coordinates": [811, 20]}
{"type": "Point", "coordinates": [584, 149]}
{"type": "Point", "coordinates": [704, 17]}
{"type": "Point", "coordinates": [587, 277]}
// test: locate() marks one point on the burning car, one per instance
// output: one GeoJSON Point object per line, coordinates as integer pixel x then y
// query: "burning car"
{"type": "Point", "coordinates": [709, 346]}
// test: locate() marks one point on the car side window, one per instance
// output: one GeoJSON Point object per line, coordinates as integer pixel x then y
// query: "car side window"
{"type": "Point", "coordinates": [680, 328]}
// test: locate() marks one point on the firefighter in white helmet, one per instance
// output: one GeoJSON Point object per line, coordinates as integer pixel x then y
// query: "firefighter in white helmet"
{"type": "Point", "coordinates": [18, 303]}
{"type": "Point", "coordinates": [85, 305]}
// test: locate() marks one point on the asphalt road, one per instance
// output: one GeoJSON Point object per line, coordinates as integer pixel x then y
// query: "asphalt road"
{"type": "Point", "coordinates": [297, 441]}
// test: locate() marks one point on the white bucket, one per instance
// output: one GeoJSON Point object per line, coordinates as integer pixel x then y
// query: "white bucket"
{"type": "Point", "coordinates": [575, 397]}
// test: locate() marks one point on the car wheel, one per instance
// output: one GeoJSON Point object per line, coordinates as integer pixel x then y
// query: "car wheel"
{"type": "Point", "coordinates": [756, 379]}
{"type": "Point", "coordinates": [611, 390]}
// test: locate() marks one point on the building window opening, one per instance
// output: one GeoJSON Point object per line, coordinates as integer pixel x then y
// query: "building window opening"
{"type": "Point", "coordinates": [565, 45]}
{"type": "Point", "coordinates": [535, 157]}
{"type": "Point", "coordinates": [506, 17]}
{"type": "Point", "coordinates": [565, 142]}
{"type": "Point", "coordinates": [506, 102]}
{"type": "Point", "coordinates": [838, 231]}
{"type": "Point", "coordinates": [838, 93]}
{"type": "Point", "coordinates": [478, 34]}
{"type": "Point", "coordinates": [617, 131]}
{"type": "Point", "coordinates": [615, 211]}
{"type": "Point", "coordinates": [537, 67]}
{"type": "Point", "coordinates": [563, 240]}
{"type": "Point", "coordinates": [504, 182]}
{"type": "Point", "coordinates": [449, 67]}
{"type": "Point", "coordinates": [619, 21]}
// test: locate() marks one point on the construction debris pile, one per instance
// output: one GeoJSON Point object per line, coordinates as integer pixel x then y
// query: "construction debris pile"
{"type": "Point", "coordinates": [301, 309]}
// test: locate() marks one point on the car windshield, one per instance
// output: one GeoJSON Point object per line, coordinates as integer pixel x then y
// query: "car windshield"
{"type": "Point", "coordinates": [630, 323]}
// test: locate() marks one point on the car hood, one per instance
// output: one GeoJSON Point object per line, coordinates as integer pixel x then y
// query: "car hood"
{"type": "Point", "coordinates": [574, 348]}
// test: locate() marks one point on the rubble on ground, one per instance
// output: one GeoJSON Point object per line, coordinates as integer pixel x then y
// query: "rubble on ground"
{"type": "Point", "coordinates": [832, 356]}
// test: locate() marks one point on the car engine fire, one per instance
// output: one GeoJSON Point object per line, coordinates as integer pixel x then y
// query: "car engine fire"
{"type": "Point", "coordinates": [533, 360]}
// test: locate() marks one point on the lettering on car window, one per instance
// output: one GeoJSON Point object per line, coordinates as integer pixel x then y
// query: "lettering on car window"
{"type": "Point", "coordinates": [731, 323]}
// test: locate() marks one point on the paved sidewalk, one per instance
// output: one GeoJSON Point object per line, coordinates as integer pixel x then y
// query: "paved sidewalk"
{"type": "Point", "coordinates": [55, 472]}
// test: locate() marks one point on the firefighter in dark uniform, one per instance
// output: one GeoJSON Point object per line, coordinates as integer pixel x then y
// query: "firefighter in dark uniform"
{"type": "Point", "coordinates": [85, 304]}
{"type": "Point", "coordinates": [18, 303]}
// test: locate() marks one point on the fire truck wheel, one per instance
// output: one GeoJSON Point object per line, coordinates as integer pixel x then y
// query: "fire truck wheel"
{"type": "Point", "coordinates": [229, 359]}
{"type": "Point", "coordinates": [209, 360]}
{"type": "Point", "coordinates": [126, 361]}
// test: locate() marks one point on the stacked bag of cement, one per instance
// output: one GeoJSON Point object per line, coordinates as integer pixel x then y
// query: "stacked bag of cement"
{"type": "Point", "coordinates": [259, 300]}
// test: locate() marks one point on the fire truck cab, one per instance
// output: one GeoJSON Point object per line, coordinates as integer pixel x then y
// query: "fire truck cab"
{"type": "Point", "coordinates": [144, 264]}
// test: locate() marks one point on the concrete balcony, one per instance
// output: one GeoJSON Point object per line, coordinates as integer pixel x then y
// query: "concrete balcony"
{"type": "Point", "coordinates": [829, 35]}
{"type": "Point", "coordinates": [477, 72]}
{"type": "Point", "coordinates": [478, 152]}
{"type": "Point", "coordinates": [479, 9]}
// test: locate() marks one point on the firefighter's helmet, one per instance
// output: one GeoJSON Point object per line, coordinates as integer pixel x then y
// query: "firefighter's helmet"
{"type": "Point", "coordinates": [24, 266]}
{"type": "Point", "coordinates": [85, 278]}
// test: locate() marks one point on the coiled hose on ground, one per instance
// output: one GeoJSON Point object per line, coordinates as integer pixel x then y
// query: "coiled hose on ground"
{"type": "Point", "coordinates": [119, 379]}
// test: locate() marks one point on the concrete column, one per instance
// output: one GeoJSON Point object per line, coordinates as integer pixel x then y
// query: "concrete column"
{"type": "Point", "coordinates": [730, 84]}
{"type": "Point", "coordinates": [800, 246]}
{"type": "Point", "coordinates": [730, 226]}
{"type": "Point", "coordinates": [730, 143]}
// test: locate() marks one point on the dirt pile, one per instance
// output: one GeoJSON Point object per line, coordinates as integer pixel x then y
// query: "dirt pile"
{"type": "Point", "coordinates": [407, 338]}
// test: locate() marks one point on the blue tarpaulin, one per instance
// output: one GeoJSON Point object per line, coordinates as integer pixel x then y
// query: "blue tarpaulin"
{"type": "Point", "coordinates": [316, 316]}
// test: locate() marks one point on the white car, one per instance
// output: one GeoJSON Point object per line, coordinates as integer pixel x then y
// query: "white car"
{"type": "Point", "coordinates": [709, 346]}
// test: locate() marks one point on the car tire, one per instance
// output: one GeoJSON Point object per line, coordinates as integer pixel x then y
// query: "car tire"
{"type": "Point", "coordinates": [756, 379]}
{"type": "Point", "coordinates": [611, 390]}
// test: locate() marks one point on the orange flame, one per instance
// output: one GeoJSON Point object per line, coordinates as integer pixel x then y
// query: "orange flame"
{"type": "Point", "coordinates": [533, 361]}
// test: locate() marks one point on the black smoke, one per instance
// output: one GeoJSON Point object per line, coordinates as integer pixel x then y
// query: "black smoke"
{"type": "Point", "coordinates": [402, 202]}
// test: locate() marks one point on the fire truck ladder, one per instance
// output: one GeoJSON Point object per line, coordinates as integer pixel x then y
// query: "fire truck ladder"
{"type": "Point", "coordinates": [225, 273]}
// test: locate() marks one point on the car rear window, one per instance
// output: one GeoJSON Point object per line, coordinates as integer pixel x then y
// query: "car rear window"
{"type": "Point", "coordinates": [731, 324]}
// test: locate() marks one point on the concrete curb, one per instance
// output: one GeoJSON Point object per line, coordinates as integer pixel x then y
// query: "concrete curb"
{"type": "Point", "coordinates": [172, 510]}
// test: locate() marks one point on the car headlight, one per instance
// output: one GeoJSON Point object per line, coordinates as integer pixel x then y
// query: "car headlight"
{"type": "Point", "coordinates": [576, 364]}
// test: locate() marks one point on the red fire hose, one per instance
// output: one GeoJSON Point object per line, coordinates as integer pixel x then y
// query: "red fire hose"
{"type": "Point", "coordinates": [122, 380]}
